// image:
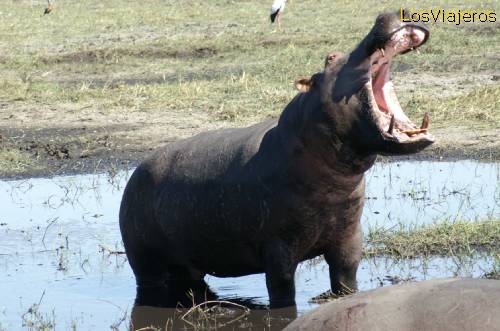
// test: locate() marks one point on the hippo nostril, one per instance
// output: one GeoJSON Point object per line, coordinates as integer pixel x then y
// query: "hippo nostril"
{"type": "Point", "coordinates": [417, 37]}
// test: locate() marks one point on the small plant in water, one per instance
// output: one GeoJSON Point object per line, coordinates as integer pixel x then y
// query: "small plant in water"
{"type": "Point", "coordinates": [495, 271]}
{"type": "Point", "coordinates": [211, 315]}
{"type": "Point", "coordinates": [63, 259]}
{"type": "Point", "coordinates": [33, 319]}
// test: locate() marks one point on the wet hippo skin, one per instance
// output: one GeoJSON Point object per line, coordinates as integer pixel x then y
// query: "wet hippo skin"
{"type": "Point", "coordinates": [234, 202]}
{"type": "Point", "coordinates": [435, 305]}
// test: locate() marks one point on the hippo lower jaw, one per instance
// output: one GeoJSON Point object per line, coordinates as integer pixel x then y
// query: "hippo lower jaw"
{"type": "Point", "coordinates": [399, 134]}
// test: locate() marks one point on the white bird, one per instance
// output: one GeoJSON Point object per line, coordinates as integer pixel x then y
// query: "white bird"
{"type": "Point", "coordinates": [49, 8]}
{"type": "Point", "coordinates": [277, 10]}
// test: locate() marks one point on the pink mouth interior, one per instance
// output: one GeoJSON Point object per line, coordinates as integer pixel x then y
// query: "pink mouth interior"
{"type": "Point", "coordinates": [385, 98]}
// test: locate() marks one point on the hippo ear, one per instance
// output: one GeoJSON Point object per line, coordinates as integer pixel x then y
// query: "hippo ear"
{"type": "Point", "coordinates": [303, 85]}
{"type": "Point", "coordinates": [332, 58]}
{"type": "Point", "coordinates": [306, 84]}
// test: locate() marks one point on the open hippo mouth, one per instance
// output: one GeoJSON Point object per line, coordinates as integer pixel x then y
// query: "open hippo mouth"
{"type": "Point", "coordinates": [395, 127]}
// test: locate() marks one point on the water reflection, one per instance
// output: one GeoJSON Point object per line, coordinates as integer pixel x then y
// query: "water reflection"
{"type": "Point", "coordinates": [219, 317]}
{"type": "Point", "coordinates": [194, 306]}
{"type": "Point", "coordinates": [416, 193]}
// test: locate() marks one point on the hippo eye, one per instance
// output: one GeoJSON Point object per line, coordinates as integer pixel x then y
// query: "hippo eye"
{"type": "Point", "coordinates": [391, 118]}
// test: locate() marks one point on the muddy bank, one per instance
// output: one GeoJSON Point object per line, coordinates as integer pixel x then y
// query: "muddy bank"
{"type": "Point", "coordinates": [90, 147]}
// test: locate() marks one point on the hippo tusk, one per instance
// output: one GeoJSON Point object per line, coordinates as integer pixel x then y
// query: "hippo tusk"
{"type": "Point", "coordinates": [414, 131]}
{"type": "Point", "coordinates": [425, 121]}
{"type": "Point", "coordinates": [391, 125]}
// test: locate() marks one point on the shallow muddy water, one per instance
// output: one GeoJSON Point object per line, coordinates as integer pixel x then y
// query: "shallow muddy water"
{"type": "Point", "coordinates": [58, 237]}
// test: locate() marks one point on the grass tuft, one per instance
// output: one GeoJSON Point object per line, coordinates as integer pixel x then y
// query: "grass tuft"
{"type": "Point", "coordinates": [13, 160]}
{"type": "Point", "coordinates": [478, 106]}
{"type": "Point", "coordinates": [446, 238]}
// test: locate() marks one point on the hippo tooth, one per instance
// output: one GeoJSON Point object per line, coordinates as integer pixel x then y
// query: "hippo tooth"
{"type": "Point", "coordinates": [382, 51]}
{"type": "Point", "coordinates": [391, 125]}
{"type": "Point", "coordinates": [425, 121]}
{"type": "Point", "coordinates": [413, 131]}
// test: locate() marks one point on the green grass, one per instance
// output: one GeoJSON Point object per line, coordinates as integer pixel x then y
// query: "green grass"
{"type": "Point", "coordinates": [446, 238]}
{"type": "Point", "coordinates": [218, 57]}
{"type": "Point", "coordinates": [479, 107]}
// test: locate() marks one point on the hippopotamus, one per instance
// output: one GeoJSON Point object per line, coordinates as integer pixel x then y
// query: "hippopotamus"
{"type": "Point", "coordinates": [261, 199]}
{"type": "Point", "coordinates": [433, 305]}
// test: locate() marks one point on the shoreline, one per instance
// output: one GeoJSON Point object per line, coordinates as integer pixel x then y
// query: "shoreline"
{"type": "Point", "coordinates": [121, 160]}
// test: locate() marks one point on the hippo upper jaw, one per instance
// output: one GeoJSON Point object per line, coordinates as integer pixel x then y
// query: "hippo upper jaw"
{"type": "Point", "coordinates": [397, 133]}
{"type": "Point", "coordinates": [359, 96]}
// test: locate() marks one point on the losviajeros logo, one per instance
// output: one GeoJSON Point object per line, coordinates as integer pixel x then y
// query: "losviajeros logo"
{"type": "Point", "coordinates": [455, 16]}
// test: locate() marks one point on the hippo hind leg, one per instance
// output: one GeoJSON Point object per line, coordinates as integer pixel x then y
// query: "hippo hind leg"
{"type": "Point", "coordinates": [161, 280]}
{"type": "Point", "coordinates": [151, 279]}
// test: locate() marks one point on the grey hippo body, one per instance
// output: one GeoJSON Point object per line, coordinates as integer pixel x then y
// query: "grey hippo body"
{"type": "Point", "coordinates": [435, 305]}
{"type": "Point", "coordinates": [234, 202]}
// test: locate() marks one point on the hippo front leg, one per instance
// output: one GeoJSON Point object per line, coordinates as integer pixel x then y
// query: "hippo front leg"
{"type": "Point", "coordinates": [280, 269]}
{"type": "Point", "coordinates": [343, 260]}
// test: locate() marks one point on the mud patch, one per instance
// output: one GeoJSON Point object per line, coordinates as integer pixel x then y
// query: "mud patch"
{"type": "Point", "coordinates": [204, 52]}
{"type": "Point", "coordinates": [56, 151]}
{"type": "Point", "coordinates": [110, 55]}
{"type": "Point", "coordinates": [168, 78]}
{"type": "Point", "coordinates": [281, 40]}
{"type": "Point", "coordinates": [67, 150]}
{"type": "Point", "coordinates": [442, 86]}
{"type": "Point", "coordinates": [57, 146]}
